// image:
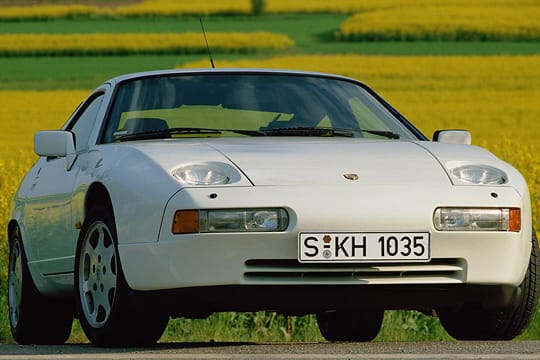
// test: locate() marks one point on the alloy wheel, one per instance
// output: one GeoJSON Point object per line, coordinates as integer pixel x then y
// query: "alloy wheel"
{"type": "Point", "coordinates": [15, 283]}
{"type": "Point", "coordinates": [98, 272]}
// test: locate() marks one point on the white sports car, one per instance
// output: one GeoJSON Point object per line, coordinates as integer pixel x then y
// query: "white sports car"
{"type": "Point", "coordinates": [182, 193]}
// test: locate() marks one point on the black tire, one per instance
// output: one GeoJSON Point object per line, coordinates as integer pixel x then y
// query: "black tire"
{"type": "Point", "coordinates": [345, 325]}
{"type": "Point", "coordinates": [34, 318]}
{"type": "Point", "coordinates": [105, 311]}
{"type": "Point", "coordinates": [475, 323]}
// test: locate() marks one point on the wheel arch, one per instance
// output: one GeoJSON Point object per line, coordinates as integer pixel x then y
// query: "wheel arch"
{"type": "Point", "coordinates": [12, 225]}
{"type": "Point", "coordinates": [35, 275]}
{"type": "Point", "coordinates": [97, 195]}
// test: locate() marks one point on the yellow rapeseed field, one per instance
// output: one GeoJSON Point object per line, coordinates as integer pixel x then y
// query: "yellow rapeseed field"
{"type": "Point", "coordinates": [43, 12]}
{"type": "Point", "coordinates": [184, 7]}
{"type": "Point", "coordinates": [136, 43]}
{"type": "Point", "coordinates": [156, 8]}
{"type": "Point", "coordinates": [445, 23]}
{"type": "Point", "coordinates": [145, 8]}
{"type": "Point", "coordinates": [349, 6]}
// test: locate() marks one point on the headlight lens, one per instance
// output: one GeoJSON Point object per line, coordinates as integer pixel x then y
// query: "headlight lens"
{"type": "Point", "coordinates": [230, 220]}
{"type": "Point", "coordinates": [203, 174]}
{"type": "Point", "coordinates": [479, 175]}
{"type": "Point", "coordinates": [455, 219]}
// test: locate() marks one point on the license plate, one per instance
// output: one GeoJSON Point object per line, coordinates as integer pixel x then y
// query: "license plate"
{"type": "Point", "coordinates": [358, 247]}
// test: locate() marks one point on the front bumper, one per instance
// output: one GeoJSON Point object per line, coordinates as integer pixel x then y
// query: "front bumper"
{"type": "Point", "coordinates": [269, 259]}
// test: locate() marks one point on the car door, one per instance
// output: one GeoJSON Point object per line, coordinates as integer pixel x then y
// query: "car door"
{"type": "Point", "coordinates": [48, 211]}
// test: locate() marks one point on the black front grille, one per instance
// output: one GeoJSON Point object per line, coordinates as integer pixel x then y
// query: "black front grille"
{"type": "Point", "coordinates": [283, 270]}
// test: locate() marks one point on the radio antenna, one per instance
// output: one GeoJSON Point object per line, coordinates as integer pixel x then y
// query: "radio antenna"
{"type": "Point", "coordinates": [207, 47]}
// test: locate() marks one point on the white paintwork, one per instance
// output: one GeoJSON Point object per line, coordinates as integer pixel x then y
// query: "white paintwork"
{"type": "Point", "coordinates": [454, 137]}
{"type": "Point", "coordinates": [400, 184]}
{"type": "Point", "coordinates": [371, 209]}
{"type": "Point", "coordinates": [53, 143]}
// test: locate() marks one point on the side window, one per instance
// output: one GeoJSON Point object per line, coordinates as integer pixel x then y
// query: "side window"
{"type": "Point", "coordinates": [83, 125]}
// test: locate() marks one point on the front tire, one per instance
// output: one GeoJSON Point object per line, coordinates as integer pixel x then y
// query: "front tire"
{"type": "Point", "coordinates": [105, 311]}
{"type": "Point", "coordinates": [475, 323]}
{"type": "Point", "coordinates": [34, 318]}
{"type": "Point", "coordinates": [355, 326]}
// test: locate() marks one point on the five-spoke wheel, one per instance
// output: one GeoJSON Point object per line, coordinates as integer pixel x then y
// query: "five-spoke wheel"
{"type": "Point", "coordinates": [97, 274]}
{"type": "Point", "coordinates": [106, 311]}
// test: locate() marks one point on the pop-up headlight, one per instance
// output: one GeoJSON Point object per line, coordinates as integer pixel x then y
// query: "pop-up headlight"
{"type": "Point", "coordinates": [211, 173]}
{"type": "Point", "coordinates": [479, 175]}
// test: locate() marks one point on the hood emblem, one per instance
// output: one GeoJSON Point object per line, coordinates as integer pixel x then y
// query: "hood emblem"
{"type": "Point", "coordinates": [351, 177]}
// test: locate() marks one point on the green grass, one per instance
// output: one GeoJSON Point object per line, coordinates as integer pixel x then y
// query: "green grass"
{"type": "Point", "coordinates": [49, 73]}
{"type": "Point", "coordinates": [260, 326]}
{"type": "Point", "coordinates": [298, 25]}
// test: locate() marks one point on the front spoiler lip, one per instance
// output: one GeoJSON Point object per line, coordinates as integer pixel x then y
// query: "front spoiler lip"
{"type": "Point", "coordinates": [308, 299]}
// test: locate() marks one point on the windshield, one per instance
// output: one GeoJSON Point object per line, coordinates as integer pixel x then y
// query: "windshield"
{"type": "Point", "coordinates": [243, 104]}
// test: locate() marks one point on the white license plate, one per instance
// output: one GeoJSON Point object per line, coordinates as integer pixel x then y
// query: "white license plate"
{"type": "Point", "coordinates": [357, 247]}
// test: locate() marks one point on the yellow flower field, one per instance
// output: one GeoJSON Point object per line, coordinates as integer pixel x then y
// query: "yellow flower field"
{"type": "Point", "coordinates": [184, 7]}
{"type": "Point", "coordinates": [137, 43]}
{"type": "Point", "coordinates": [139, 9]}
{"type": "Point", "coordinates": [349, 6]}
{"type": "Point", "coordinates": [445, 23]}
{"type": "Point", "coordinates": [155, 8]}
{"type": "Point", "coordinates": [43, 12]}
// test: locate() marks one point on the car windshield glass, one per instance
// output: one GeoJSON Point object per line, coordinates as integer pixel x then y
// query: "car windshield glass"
{"type": "Point", "coordinates": [247, 104]}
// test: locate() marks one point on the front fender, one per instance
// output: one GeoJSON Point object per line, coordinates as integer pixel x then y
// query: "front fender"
{"type": "Point", "coordinates": [138, 188]}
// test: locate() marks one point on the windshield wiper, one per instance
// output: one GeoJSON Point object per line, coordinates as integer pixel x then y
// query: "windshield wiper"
{"type": "Point", "coordinates": [386, 134]}
{"type": "Point", "coordinates": [307, 131]}
{"type": "Point", "coordinates": [324, 131]}
{"type": "Point", "coordinates": [165, 133]}
{"type": "Point", "coordinates": [295, 131]}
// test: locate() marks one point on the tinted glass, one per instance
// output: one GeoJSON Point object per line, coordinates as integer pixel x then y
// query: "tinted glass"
{"type": "Point", "coordinates": [248, 102]}
{"type": "Point", "coordinates": [84, 124]}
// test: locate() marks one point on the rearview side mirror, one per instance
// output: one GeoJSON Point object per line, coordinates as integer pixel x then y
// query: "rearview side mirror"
{"type": "Point", "coordinates": [452, 136]}
{"type": "Point", "coordinates": [54, 143]}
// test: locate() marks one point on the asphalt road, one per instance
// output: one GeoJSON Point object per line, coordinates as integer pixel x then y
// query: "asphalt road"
{"type": "Point", "coordinates": [374, 350]}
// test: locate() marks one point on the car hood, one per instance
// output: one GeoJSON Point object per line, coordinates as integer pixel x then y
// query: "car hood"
{"type": "Point", "coordinates": [333, 161]}
{"type": "Point", "coordinates": [287, 161]}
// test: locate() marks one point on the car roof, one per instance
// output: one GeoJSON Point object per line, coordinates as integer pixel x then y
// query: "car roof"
{"type": "Point", "coordinates": [139, 75]}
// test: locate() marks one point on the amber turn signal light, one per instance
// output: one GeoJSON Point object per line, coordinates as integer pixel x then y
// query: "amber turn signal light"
{"type": "Point", "coordinates": [186, 222]}
{"type": "Point", "coordinates": [514, 221]}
